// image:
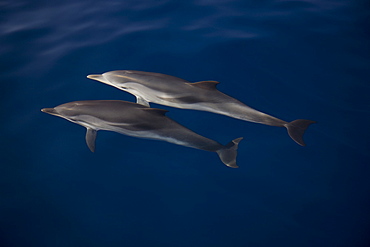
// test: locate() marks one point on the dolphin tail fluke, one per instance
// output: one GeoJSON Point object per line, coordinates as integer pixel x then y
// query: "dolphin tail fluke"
{"type": "Point", "coordinates": [228, 153]}
{"type": "Point", "coordinates": [297, 128]}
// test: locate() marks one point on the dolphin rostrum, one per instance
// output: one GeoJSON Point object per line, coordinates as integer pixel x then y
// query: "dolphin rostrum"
{"type": "Point", "coordinates": [138, 121]}
{"type": "Point", "coordinates": [176, 92]}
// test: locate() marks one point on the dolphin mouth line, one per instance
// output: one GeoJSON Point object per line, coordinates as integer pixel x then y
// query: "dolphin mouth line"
{"type": "Point", "coordinates": [99, 78]}
{"type": "Point", "coordinates": [94, 77]}
{"type": "Point", "coordinates": [49, 110]}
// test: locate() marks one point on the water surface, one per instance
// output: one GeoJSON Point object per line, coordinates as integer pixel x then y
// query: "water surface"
{"type": "Point", "coordinates": [291, 59]}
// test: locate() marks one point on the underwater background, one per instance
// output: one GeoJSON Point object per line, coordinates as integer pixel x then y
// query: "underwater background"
{"type": "Point", "coordinates": [291, 59]}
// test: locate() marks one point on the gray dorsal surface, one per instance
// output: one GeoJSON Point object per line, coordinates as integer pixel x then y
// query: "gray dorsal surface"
{"type": "Point", "coordinates": [204, 96]}
{"type": "Point", "coordinates": [138, 121]}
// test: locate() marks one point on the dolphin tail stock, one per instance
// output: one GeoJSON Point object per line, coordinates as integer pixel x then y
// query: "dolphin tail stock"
{"type": "Point", "coordinates": [297, 128]}
{"type": "Point", "coordinates": [229, 152]}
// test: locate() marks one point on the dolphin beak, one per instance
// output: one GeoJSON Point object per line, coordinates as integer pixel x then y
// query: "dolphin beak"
{"type": "Point", "coordinates": [97, 78]}
{"type": "Point", "coordinates": [51, 111]}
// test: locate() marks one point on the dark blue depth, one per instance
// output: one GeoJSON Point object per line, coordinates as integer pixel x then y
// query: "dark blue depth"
{"type": "Point", "coordinates": [291, 59]}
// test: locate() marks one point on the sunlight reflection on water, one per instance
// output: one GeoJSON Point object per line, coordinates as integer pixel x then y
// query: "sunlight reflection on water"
{"type": "Point", "coordinates": [69, 25]}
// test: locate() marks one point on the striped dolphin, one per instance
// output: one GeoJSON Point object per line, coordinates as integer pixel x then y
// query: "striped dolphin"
{"type": "Point", "coordinates": [176, 92]}
{"type": "Point", "coordinates": [138, 121]}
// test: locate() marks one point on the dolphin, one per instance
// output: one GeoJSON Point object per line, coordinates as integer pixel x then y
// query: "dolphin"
{"type": "Point", "coordinates": [138, 121]}
{"type": "Point", "coordinates": [203, 95]}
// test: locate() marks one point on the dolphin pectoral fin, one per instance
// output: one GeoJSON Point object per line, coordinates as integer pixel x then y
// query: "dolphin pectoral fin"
{"type": "Point", "coordinates": [210, 85]}
{"type": "Point", "coordinates": [229, 152]}
{"type": "Point", "coordinates": [90, 138]}
{"type": "Point", "coordinates": [142, 101]}
{"type": "Point", "coordinates": [297, 128]}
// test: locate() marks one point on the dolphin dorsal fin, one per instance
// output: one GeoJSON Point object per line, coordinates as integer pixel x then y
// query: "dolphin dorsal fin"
{"type": "Point", "coordinates": [210, 85]}
{"type": "Point", "coordinates": [156, 111]}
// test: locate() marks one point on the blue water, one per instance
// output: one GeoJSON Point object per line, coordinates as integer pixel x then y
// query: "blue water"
{"type": "Point", "coordinates": [292, 59]}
